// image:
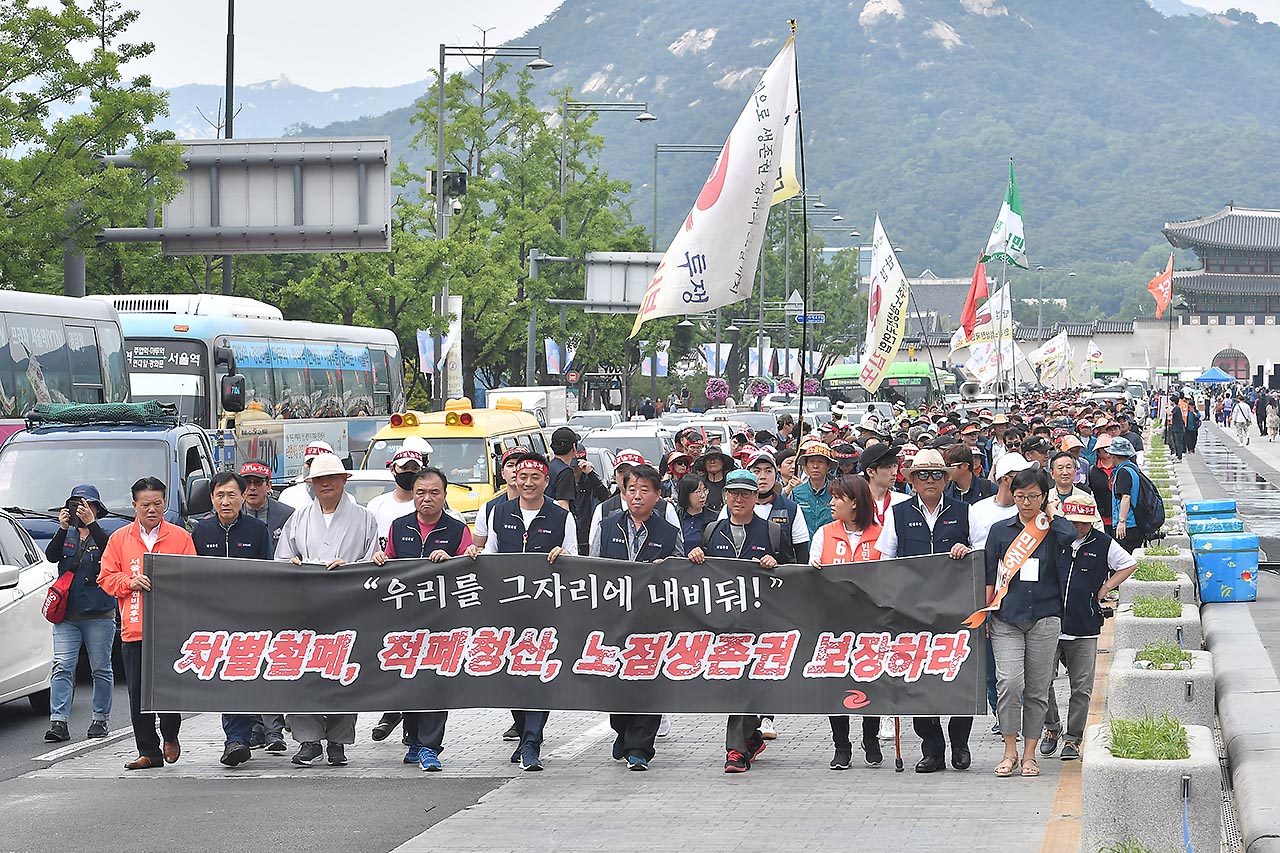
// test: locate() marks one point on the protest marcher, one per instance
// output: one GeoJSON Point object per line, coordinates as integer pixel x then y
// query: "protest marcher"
{"type": "Point", "coordinates": [231, 533]}
{"type": "Point", "coordinates": [1273, 421]}
{"type": "Point", "coordinates": [331, 531]}
{"type": "Point", "coordinates": [849, 538]}
{"type": "Point", "coordinates": [426, 533]}
{"type": "Point", "coordinates": [1097, 566]}
{"type": "Point", "coordinates": [1099, 482]}
{"type": "Point", "coordinates": [713, 465]}
{"type": "Point", "coordinates": [1124, 495]}
{"type": "Point", "coordinates": [389, 506]}
{"type": "Point", "coordinates": [784, 512]}
{"type": "Point", "coordinates": [90, 618]}
{"type": "Point", "coordinates": [1036, 450]}
{"type": "Point", "coordinates": [258, 502]}
{"type": "Point", "coordinates": [1027, 621]}
{"type": "Point", "coordinates": [121, 576]}
{"type": "Point", "coordinates": [928, 523]}
{"type": "Point", "coordinates": [1241, 420]}
{"type": "Point", "coordinates": [484, 518]}
{"type": "Point", "coordinates": [786, 431]}
{"type": "Point", "coordinates": [743, 535]}
{"type": "Point", "coordinates": [623, 464]}
{"type": "Point", "coordinates": [1062, 469]}
{"type": "Point", "coordinates": [299, 494]}
{"type": "Point", "coordinates": [640, 535]}
{"type": "Point", "coordinates": [1192, 428]}
{"type": "Point", "coordinates": [1128, 430]}
{"type": "Point", "coordinates": [692, 510]}
{"type": "Point", "coordinates": [965, 486]}
{"type": "Point", "coordinates": [532, 523]}
{"type": "Point", "coordinates": [679, 463]}
{"type": "Point", "coordinates": [788, 475]}
{"type": "Point", "coordinates": [1178, 414]}
{"type": "Point", "coordinates": [814, 461]}
{"type": "Point", "coordinates": [879, 465]}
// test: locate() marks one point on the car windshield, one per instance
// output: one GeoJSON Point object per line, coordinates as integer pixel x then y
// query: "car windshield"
{"type": "Point", "coordinates": [366, 490]}
{"type": "Point", "coordinates": [590, 420]}
{"type": "Point", "coordinates": [463, 460]}
{"type": "Point", "coordinates": [649, 446]}
{"type": "Point", "coordinates": [40, 475]}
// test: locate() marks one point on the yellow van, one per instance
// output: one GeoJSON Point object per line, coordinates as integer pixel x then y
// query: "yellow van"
{"type": "Point", "coordinates": [466, 443]}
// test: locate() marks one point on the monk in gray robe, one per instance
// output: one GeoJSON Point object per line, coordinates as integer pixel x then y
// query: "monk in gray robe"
{"type": "Point", "coordinates": [330, 531]}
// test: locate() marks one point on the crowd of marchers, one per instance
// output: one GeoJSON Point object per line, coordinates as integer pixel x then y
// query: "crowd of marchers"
{"type": "Point", "coordinates": [1056, 467]}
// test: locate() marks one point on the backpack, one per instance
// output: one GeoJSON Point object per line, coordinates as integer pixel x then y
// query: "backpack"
{"type": "Point", "coordinates": [775, 540]}
{"type": "Point", "coordinates": [1148, 512]}
{"type": "Point", "coordinates": [55, 600]}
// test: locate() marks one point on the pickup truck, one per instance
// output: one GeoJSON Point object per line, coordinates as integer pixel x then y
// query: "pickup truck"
{"type": "Point", "coordinates": [40, 465]}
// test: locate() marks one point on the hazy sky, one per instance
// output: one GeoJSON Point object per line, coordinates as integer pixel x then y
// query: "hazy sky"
{"type": "Point", "coordinates": [326, 44]}
{"type": "Point", "coordinates": [321, 44]}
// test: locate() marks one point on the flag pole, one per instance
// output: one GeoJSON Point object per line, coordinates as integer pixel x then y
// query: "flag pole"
{"type": "Point", "coordinates": [1004, 282]}
{"type": "Point", "coordinates": [924, 336]}
{"type": "Point", "coordinates": [804, 236]}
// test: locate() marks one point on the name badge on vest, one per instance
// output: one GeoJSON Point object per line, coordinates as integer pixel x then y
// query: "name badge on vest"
{"type": "Point", "coordinates": [1030, 570]}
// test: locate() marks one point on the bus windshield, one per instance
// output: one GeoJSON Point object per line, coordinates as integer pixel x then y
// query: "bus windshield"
{"type": "Point", "coordinates": [463, 460]}
{"type": "Point", "coordinates": [187, 393]}
{"type": "Point", "coordinates": [911, 391]}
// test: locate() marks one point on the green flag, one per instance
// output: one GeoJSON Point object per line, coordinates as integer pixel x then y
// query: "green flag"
{"type": "Point", "coordinates": [1006, 243]}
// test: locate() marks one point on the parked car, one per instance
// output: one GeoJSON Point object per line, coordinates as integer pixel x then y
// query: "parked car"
{"type": "Point", "coordinates": [651, 440]}
{"type": "Point", "coordinates": [367, 484]}
{"type": "Point", "coordinates": [26, 642]}
{"type": "Point", "coordinates": [603, 419]}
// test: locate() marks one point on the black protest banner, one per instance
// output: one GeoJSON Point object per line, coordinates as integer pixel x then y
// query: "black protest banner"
{"type": "Point", "coordinates": [512, 631]}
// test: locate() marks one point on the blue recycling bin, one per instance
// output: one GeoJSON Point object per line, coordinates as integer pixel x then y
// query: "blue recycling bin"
{"type": "Point", "coordinates": [1211, 509]}
{"type": "Point", "coordinates": [1226, 566]}
{"type": "Point", "coordinates": [1198, 526]}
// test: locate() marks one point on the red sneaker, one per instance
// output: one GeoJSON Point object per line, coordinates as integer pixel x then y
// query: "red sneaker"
{"type": "Point", "coordinates": [755, 746]}
{"type": "Point", "coordinates": [736, 762]}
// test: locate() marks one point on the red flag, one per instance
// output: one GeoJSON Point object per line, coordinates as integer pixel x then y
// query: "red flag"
{"type": "Point", "coordinates": [977, 293]}
{"type": "Point", "coordinates": [1161, 287]}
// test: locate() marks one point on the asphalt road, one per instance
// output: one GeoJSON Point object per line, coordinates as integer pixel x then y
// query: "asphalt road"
{"type": "Point", "coordinates": [160, 811]}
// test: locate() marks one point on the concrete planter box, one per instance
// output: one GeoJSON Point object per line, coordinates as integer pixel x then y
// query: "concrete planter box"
{"type": "Point", "coordinates": [1134, 692]}
{"type": "Point", "coordinates": [1132, 632]}
{"type": "Point", "coordinates": [1183, 588]}
{"type": "Point", "coordinates": [1127, 798]}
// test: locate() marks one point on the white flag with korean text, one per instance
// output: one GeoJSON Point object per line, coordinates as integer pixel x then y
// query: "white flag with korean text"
{"type": "Point", "coordinates": [712, 260]}
{"type": "Point", "coordinates": [886, 310]}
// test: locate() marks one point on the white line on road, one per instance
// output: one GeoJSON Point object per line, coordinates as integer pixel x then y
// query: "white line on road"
{"type": "Point", "coordinates": [582, 742]}
{"type": "Point", "coordinates": [84, 746]}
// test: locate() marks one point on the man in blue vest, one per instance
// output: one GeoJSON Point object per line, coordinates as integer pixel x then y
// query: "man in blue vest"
{"type": "Point", "coordinates": [427, 532]}
{"type": "Point", "coordinates": [532, 523]}
{"type": "Point", "coordinates": [929, 523]}
{"type": "Point", "coordinates": [230, 533]}
{"type": "Point", "coordinates": [743, 535]}
{"type": "Point", "coordinates": [639, 535]}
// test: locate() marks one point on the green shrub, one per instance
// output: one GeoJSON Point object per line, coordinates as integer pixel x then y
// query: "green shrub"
{"type": "Point", "coordinates": [1162, 653]}
{"type": "Point", "coordinates": [1160, 551]}
{"type": "Point", "coordinates": [1146, 607]}
{"type": "Point", "coordinates": [1149, 739]}
{"type": "Point", "coordinates": [1153, 570]}
{"type": "Point", "coordinates": [1126, 846]}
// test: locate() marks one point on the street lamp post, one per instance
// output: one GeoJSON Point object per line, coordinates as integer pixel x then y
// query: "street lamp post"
{"type": "Point", "coordinates": [567, 107]}
{"type": "Point", "coordinates": [536, 63]}
{"type": "Point", "coordinates": [671, 148]}
{"type": "Point", "coordinates": [1042, 269]}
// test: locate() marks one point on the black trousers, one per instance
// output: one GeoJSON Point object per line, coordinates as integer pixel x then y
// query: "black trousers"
{"type": "Point", "coordinates": [636, 733]}
{"type": "Point", "coordinates": [1190, 437]}
{"type": "Point", "coordinates": [426, 728]}
{"type": "Point", "coordinates": [144, 724]}
{"type": "Point", "coordinates": [840, 730]}
{"type": "Point", "coordinates": [930, 731]}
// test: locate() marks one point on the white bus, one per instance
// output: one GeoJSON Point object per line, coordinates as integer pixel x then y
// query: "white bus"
{"type": "Point", "coordinates": [303, 381]}
{"type": "Point", "coordinates": [57, 349]}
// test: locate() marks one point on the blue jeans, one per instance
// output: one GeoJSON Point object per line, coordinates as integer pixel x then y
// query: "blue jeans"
{"type": "Point", "coordinates": [238, 728]}
{"type": "Point", "coordinates": [97, 636]}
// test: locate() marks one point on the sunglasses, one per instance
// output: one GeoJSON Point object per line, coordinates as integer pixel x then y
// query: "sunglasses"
{"type": "Point", "coordinates": [930, 475]}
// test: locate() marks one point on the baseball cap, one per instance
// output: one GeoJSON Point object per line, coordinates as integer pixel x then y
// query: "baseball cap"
{"type": "Point", "coordinates": [628, 457]}
{"type": "Point", "coordinates": [1080, 508]}
{"type": "Point", "coordinates": [563, 437]}
{"type": "Point", "coordinates": [1012, 463]}
{"type": "Point", "coordinates": [878, 455]}
{"type": "Point", "coordinates": [741, 481]}
{"type": "Point", "coordinates": [255, 469]}
{"type": "Point", "coordinates": [316, 448]}
{"type": "Point", "coordinates": [403, 456]}
{"type": "Point", "coordinates": [761, 456]}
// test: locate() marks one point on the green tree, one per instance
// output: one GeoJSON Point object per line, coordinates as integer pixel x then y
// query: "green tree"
{"type": "Point", "coordinates": [53, 187]}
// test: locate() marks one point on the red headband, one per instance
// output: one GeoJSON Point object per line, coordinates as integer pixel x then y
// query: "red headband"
{"type": "Point", "coordinates": [532, 465]}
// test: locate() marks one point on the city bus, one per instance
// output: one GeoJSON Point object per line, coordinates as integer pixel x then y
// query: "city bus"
{"type": "Point", "coordinates": [911, 383]}
{"type": "Point", "coordinates": [57, 349]}
{"type": "Point", "coordinates": [841, 384]}
{"type": "Point", "coordinates": [304, 381]}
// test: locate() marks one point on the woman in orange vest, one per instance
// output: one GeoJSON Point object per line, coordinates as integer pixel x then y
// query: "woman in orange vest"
{"type": "Point", "coordinates": [850, 538]}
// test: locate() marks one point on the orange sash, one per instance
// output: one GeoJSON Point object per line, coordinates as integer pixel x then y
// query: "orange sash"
{"type": "Point", "coordinates": [1013, 560]}
{"type": "Point", "coordinates": [837, 549]}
